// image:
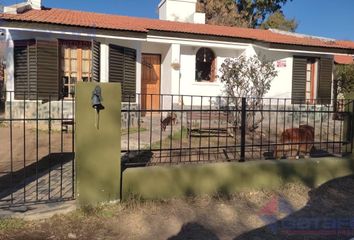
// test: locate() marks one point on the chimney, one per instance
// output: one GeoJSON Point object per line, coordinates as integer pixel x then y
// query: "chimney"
{"type": "Point", "coordinates": [22, 7]}
{"type": "Point", "coordinates": [180, 11]}
{"type": "Point", "coordinates": [35, 4]}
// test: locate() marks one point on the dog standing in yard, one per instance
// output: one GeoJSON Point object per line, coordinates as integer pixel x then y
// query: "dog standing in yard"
{"type": "Point", "coordinates": [171, 119]}
{"type": "Point", "coordinates": [295, 140]}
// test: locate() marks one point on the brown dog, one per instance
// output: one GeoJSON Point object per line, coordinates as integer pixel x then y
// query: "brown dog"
{"type": "Point", "coordinates": [296, 140]}
{"type": "Point", "coordinates": [169, 120]}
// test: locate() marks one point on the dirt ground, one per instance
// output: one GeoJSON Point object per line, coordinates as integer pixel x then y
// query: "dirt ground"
{"type": "Point", "coordinates": [246, 215]}
{"type": "Point", "coordinates": [29, 145]}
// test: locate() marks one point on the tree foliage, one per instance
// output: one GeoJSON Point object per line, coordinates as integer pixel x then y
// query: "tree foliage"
{"type": "Point", "coordinates": [245, 13]}
{"type": "Point", "coordinates": [344, 78]}
{"type": "Point", "coordinates": [248, 77]}
{"type": "Point", "coordinates": [278, 21]}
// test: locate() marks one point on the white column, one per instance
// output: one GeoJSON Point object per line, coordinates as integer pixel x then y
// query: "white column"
{"type": "Point", "coordinates": [138, 68]}
{"type": "Point", "coordinates": [9, 58]}
{"type": "Point", "coordinates": [104, 62]}
{"type": "Point", "coordinates": [170, 84]}
{"type": "Point", "coordinates": [175, 69]}
{"type": "Point", "coordinates": [250, 51]}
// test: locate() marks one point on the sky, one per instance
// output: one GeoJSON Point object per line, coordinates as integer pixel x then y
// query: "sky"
{"type": "Point", "coordinates": [326, 18]}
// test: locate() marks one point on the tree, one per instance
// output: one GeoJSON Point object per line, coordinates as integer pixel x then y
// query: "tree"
{"type": "Point", "coordinates": [343, 85]}
{"type": "Point", "coordinates": [221, 12]}
{"type": "Point", "coordinates": [278, 21]}
{"type": "Point", "coordinates": [344, 79]}
{"type": "Point", "coordinates": [248, 77]}
{"type": "Point", "coordinates": [243, 13]}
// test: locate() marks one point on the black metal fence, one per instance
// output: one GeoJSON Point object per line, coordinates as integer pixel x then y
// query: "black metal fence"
{"type": "Point", "coordinates": [36, 149]}
{"type": "Point", "coordinates": [175, 129]}
{"type": "Point", "coordinates": [37, 136]}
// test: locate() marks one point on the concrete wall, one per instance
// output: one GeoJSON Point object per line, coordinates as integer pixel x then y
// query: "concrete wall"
{"type": "Point", "coordinates": [97, 164]}
{"type": "Point", "coordinates": [227, 178]}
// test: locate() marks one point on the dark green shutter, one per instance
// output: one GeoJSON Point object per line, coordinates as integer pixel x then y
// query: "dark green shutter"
{"type": "Point", "coordinates": [21, 69]}
{"type": "Point", "coordinates": [96, 52]}
{"type": "Point", "coordinates": [48, 69]}
{"type": "Point", "coordinates": [122, 69]}
{"type": "Point", "coordinates": [32, 70]}
{"type": "Point", "coordinates": [298, 93]}
{"type": "Point", "coordinates": [325, 80]}
{"type": "Point", "coordinates": [36, 69]}
{"type": "Point", "coordinates": [116, 64]}
{"type": "Point", "coordinates": [129, 84]}
{"type": "Point", "coordinates": [25, 69]}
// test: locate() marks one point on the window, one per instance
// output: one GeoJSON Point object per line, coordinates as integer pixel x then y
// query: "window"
{"type": "Point", "coordinates": [205, 65]}
{"type": "Point", "coordinates": [76, 65]}
{"type": "Point", "coordinates": [48, 69]}
{"type": "Point", "coordinates": [312, 80]}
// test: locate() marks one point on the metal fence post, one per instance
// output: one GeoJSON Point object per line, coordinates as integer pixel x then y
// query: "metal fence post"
{"type": "Point", "coordinates": [243, 129]}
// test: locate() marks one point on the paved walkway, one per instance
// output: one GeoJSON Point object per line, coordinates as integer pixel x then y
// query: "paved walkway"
{"type": "Point", "coordinates": [52, 185]}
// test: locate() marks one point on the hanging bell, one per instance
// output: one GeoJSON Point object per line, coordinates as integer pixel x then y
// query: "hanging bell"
{"type": "Point", "coordinates": [97, 99]}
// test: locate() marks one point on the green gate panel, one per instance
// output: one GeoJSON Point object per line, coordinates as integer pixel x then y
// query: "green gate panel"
{"type": "Point", "coordinates": [97, 144]}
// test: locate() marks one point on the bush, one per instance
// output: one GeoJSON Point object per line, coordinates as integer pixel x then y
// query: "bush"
{"type": "Point", "coordinates": [248, 77]}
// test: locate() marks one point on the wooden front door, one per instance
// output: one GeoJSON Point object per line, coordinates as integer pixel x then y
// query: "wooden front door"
{"type": "Point", "coordinates": [150, 81]}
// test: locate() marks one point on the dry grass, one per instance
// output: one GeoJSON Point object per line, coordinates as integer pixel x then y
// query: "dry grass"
{"type": "Point", "coordinates": [205, 217]}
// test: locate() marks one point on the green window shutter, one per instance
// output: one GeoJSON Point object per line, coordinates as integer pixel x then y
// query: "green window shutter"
{"type": "Point", "coordinates": [36, 69]}
{"type": "Point", "coordinates": [325, 80]}
{"type": "Point", "coordinates": [116, 64]}
{"type": "Point", "coordinates": [32, 70]}
{"type": "Point", "coordinates": [96, 58]}
{"type": "Point", "coordinates": [122, 69]}
{"type": "Point", "coordinates": [298, 93]}
{"type": "Point", "coordinates": [21, 69]}
{"type": "Point", "coordinates": [25, 69]}
{"type": "Point", "coordinates": [48, 69]}
{"type": "Point", "coordinates": [129, 85]}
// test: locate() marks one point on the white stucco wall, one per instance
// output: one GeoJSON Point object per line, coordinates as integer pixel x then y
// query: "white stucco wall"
{"type": "Point", "coordinates": [282, 84]}
{"type": "Point", "coordinates": [173, 81]}
{"type": "Point", "coordinates": [283, 61]}
{"type": "Point", "coordinates": [10, 66]}
{"type": "Point", "coordinates": [104, 63]}
{"type": "Point", "coordinates": [189, 86]}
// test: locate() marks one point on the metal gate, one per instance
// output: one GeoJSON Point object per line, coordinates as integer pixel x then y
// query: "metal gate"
{"type": "Point", "coordinates": [36, 149]}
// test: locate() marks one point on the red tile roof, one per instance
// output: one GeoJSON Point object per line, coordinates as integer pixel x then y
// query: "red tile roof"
{"type": "Point", "coordinates": [342, 59]}
{"type": "Point", "coordinates": [115, 22]}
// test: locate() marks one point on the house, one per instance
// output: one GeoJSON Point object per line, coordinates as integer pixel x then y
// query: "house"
{"type": "Point", "coordinates": [46, 51]}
